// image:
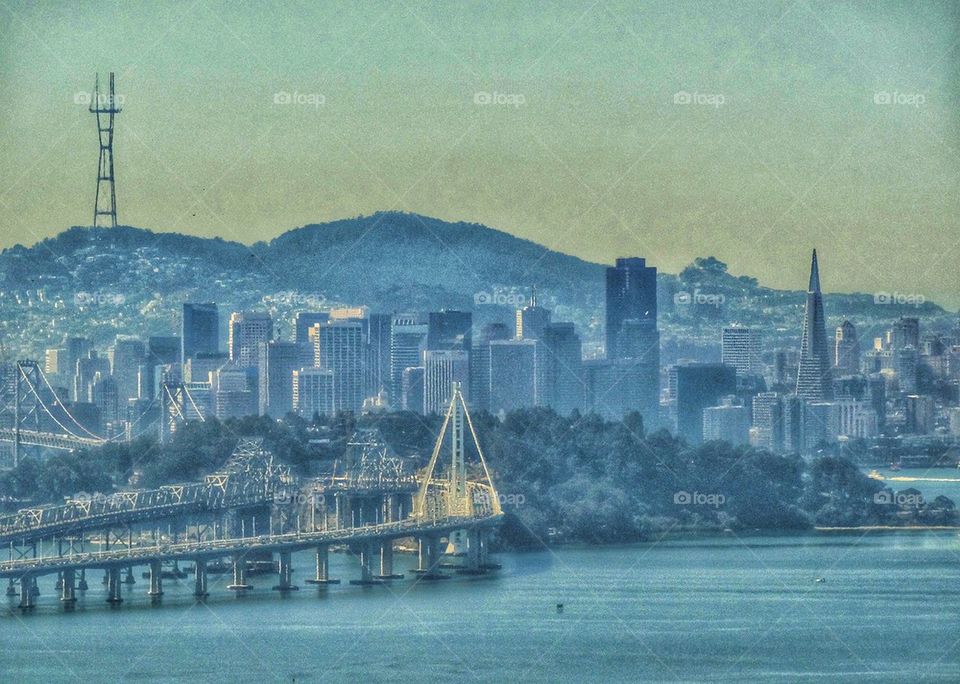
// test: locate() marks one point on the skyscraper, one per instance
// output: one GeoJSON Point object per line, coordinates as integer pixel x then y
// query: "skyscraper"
{"type": "Point", "coordinates": [631, 294]}
{"type": "Point", "coordinates": [814, 377]}
{"type": "Point", "coordinates": [441, 368]}
{"type": "Point", "coordinates": [847, 350]}
{"type": "Point", "coordinates": [563, 383]}
{"type": "Point", "coordinates": [408, 337]}
{"type": "Point", "coordinates": [247, 330]}
{"type": "Point", "coordinates": [449, 330]}
{"type": "Point", "coordinates": [199, 329]}
{"type": "Point", "coordinates": [480, 364]}
{"type": "Point", "coordinates": [313, 392]}
{"type": "Point", "coordinates": [514, 374]}
{"type": "Point", "coordinates": [126, 356]}
{"type": "Point", "coordinates": [302, 324]}
{"type": "Point", "coordinates": [377, 370]}
{"type": "Point", "coordinates": [339, 348]}
{"type": "Point", "coordinates": [532, 319]}
{"type": "Point", "coordinates": [699, 386]}
{"type": "Point", "coordinates": [740, 348]}
{"type": "Point", "coordinates": [277, 362]}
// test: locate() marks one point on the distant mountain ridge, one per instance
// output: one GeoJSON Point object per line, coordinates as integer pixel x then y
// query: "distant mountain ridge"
{"type": "Point", "coordinates": [132, 280]}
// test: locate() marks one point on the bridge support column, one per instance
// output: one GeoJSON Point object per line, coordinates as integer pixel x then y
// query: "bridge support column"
{"type": "Point", "coordinates": [386, 562]}
{"type": "Point", "coordinates": [366, 574]}
{"type": "Point", "coordinates": [26, 592]}
{"type": "Point", "coordinates": [283, 565]}
{"type": "Point", "coordinates": [200, 578]}
{"type": "Point", "coordinates": [82, 584]}
{"type": "Point", "coordinates": [323, 567]}
{"type": "Point", "coordinates": [128, 576]}
{"type": "Point", "coordinates": [12, 588]}
{"type": "Point", "coordinates": [156, 578]}
{"type": "Point", "coordinates": [68, 586]}
{"type": "Point", "coordinates": [239, 574]}
{"type": "Point", "coordinates": [113, 586]}
{"type": "Point", "coordinates": [430, 551]}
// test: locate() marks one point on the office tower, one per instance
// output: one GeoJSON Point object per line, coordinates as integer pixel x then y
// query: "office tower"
{"type": "Point", "coordinates": [87, 369]}
{"type": "Point", "coordinates": [906, 365]}
{"type": "Point", "coordinates": [408, 337]}
{"type": "Point", "coordinates": [699, 386]}
{"type": "Point", "coordinates": [814, 377]}
{"type": "Point", "coordinates": [817, 426]}
{"type": "Point", "coordinates": [846, 358]}
{"type": "Point", "coordinates": [71, 350]}
{"type": "Point", "coordinates": [514, 375]}
{"type": "Point", "coordinates": [199, 330]}
{"type": "Point", "coordinates": [563, 383]}
{"type": "Point", "coordinates": [199, 366]}
{"type": "Point", "coordinates": [104, 393]}
{"type": "Point", "coordinates": [920, 415]}
{"type": "Point", "coordinates": [532, 320]}
{"type": "Point", "coordinates": [377, 365]}
{"type": "Point", "coordinates": [741, 348]}
{"type": "Point", "coordinates": [302, 324]}
{"type": "Point", "coordinates": [794, 409]}
{"type": "Point", "coordinates": [852, 419]}
{"type": "Point", "coordinates": [277, 361]}
{"type": "Point", "coordinates": [52, 360]}
{"type": "Point", "coordinates": [480, 364]}
{"type": "Point", "coordinates": [126, 356]}
{"type": "Point", "coordinates": [163, 350]}
{"type": "Point", "coordinates": [877, 396]}
{"type": "Point", "coordinates": [905, 333]}
{"type": "Point", "coordinates": [247, 330]}
{"type": "Point", "coordinates": [728, 422]}
{"type": "Point", "coordinates": [200, 402]}
{"type": "Point", "coordinates": [234, 391]}
{"type": "Point", "coordinates": [340, 348]}
{"type": "Point", "coordinates": [449, 330]}
{"type": "Point", "coordinates": [411, 389]}
{"type": "Point", "coordinates": [314, 392]}
{"type": "Point", "coordinates": [768, 421]}
{"type": "Point", "coordinates": [441, 368]}
{"type": "Point", "coordinates": [631, 293]}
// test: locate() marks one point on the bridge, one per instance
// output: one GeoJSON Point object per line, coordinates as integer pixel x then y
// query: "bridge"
{"type": "Point", "coordinates": [253, 511]}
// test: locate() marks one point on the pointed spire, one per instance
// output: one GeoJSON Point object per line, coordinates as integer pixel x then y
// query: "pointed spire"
{"type": "Point", "coordinates": [814, 275]}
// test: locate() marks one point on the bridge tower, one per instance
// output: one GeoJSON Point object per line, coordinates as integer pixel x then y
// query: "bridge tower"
{"type": "Point", "coordinates": [106, 108]}
{"type": "Point", "coordinates": [173, 404]}
{"type": "Point", "coordinates": [26, 404]}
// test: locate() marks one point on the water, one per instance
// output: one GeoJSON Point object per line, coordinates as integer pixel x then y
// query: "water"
{"type": "Point", "coordinates": [714, 609]}
{"type": "Point", "coordinates": [931, 482]}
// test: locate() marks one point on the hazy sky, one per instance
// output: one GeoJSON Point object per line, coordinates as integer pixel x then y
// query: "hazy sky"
{"type": "Point", "coordinates": [748, 131]}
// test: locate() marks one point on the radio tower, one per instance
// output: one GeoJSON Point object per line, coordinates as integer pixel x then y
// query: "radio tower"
{"type": "Point", "coordinates": [106, 108]}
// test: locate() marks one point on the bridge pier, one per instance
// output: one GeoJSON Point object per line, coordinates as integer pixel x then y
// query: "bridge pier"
{"type": "Point", "coordinates": [156, 578]}
{"type": "Point", "coordinates": [114, 586]}
{"type": "Point", "coordinates": [200, 578]}
{"type": "Point", "coordinates": [27, 583]}
{"type": "Point", "coordinates": [429, 553]}
{"type": "Point", "coordinates": [386, 562]}
{"type": "Point", "coordinates": [285, 570]}
{"type": "Point", "coordinates": [128, 576]}
{"type": "Point", "coordinates": [323, 567]}
{"type": "Point", "coordinates": [239, 574]}
{"type": "Point", "coordinates": [82, 584]}
{"type": "Point", "coordinates": [366, 574]}
{"type": "Point", "coordinates": [11, 588]}
{"type": "Point", "coordinates": [68, 586]}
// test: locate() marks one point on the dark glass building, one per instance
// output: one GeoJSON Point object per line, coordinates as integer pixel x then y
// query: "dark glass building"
{"type": "Point", "coordinates": [199, 330]}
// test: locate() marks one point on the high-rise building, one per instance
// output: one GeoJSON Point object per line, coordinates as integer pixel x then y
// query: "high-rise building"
{"type": "Point", "coordinates": [234, 391]}
{"type": "Point", "coordinates": [199, 330]}
{"type": "Point", "coordinates": [104, 392]}
{"type": "Point", "coordinates": [304, 321]}
{"type": "Point", "coordinates": [377, 370]}
{"type": "Point", "coordinates": [847, 350]}
{"type": "Point", "coordinates": [126, 356]}
{"type": "Point", "coordinates": [905, 333]}
{"type": "Point", "coordinates": [88, 368]}
{"type": "Point", "coordinates": [513, 375]}
{"type": "Point", "coordinates": [631, 293]}
{"type": "Point", "coordinates": [314, 392]}
{"type": "Point", "coordinates": [699, 386]}
{"type": "Point", "coordinates": [728, 422]}
{"type": "Point", "coordinates": [277, 362]}
{"type": "Point", "coordinates": [441, 368]}
{"type": "Point", "coordinates": [562, 354]}
{"type": "Point", "coordinates": [920, 415]}
{"type": "Point", "coordinates": [340, 348]}
{"type": "Point", "coordinates": [768, 421]}
{"type": "Point", "coordinates": [741, 347]}
{"type": "Point", "coordinates": [532, 320]}
{"type": "Point", "coordinates": [814, 377]}
{"type": "Point", "coordinates": [480, 364]}
{"type": "Point", "coordinates": [449, 330]}
{"type": "Point", "coordinates": [411, 389]}
{"type": "Point", "coordinates": [408, 338]}
{"type": "Point", "coordinates": [247, 330]}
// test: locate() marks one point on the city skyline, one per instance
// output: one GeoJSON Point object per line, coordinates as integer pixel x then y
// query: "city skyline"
{"type": "Point", "coordinates": [180, 167]}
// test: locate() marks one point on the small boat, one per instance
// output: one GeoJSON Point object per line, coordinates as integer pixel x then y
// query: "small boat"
{"type": "Point", "coordinates": [875, 475]}
{"type": "Point", "coordinates": [559, 607]}
{"type": "Point", "coordinates": [820, 580]}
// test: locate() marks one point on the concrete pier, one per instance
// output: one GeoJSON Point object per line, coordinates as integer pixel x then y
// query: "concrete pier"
{"type": "Point", "coordinates": [200, 579]}
{"type": "Point", "coordinates": [323, 568]}
{"type": "Point", "coordinates": [68, 586]}
{"type": "Point", "coordinates": [239, 574]}
{"type": "Point", "coordinates": [366, 574]}
{"type": "Point", "coordinates": [113, 586]}
{"type": "Point", "coordinates": [82, 584]}
{"type": "Point", "coordinates": [285, 570]}
{"type": "Point", "coordinates": [386, 562]}
{"type": "Point", "coordinates": [26, 592]}
{"type": "Point", "coordinates": [156, 578]}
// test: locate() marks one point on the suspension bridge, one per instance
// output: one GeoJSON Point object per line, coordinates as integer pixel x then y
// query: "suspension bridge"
{"type": "Point", "coordinates": [253, 513]}
{"type": "Point", "coordinates": [33, 414]}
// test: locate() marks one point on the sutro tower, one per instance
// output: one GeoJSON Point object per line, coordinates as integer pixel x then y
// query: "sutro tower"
{"type": "Point", "coordinates": [105, 108]}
